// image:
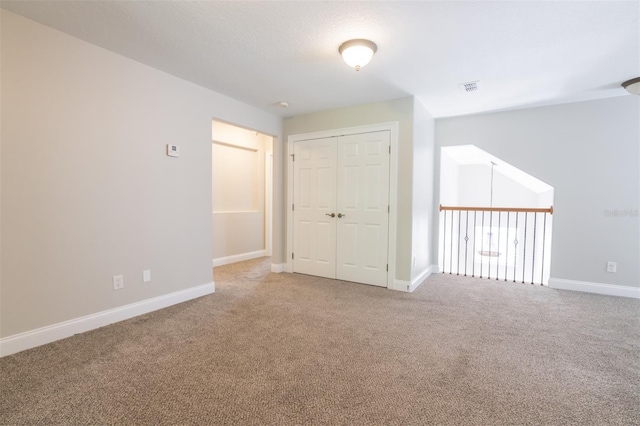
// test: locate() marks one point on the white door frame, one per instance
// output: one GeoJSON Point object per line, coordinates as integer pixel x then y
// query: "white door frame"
{"type": "Point", "coordinates": [392, 127]}
{"type": "Point", "coordinates": [268, 201]}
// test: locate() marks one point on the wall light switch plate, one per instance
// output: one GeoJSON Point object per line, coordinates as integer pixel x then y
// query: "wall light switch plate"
{"type": "Point", "coordinates": [173, 150]}
{"type": "Point", "coordinates": [612, 267]}
{"type": "Point", "coordinates": [146, 276]}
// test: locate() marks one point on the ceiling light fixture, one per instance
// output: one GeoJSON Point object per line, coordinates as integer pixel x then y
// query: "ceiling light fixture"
{"type": "Point", "coordinates": [632, 86]}
{"type": "Point", "coordinates": [357, 53]}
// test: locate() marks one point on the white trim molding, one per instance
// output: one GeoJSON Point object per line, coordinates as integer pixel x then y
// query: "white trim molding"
{"type": "Point", "coordinates": [400, 285]}
{"type": "Point", "coordinates": [219, 261]}
{"type": "Point", "coordinates": [277, 267]}
{"type": "Point", "coordinates": [406, 286]}
{"type": "Point", "coordinates": [598, 288]}
{"type": "Point", "coordinates": [41, 336]}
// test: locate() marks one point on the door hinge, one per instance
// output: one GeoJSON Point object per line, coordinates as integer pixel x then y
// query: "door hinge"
{"type": "Point", "coordinates": [292, 255]}
{"type": "Point", "coordinates": [293, 157]}
{"type": "Point", "coordinates": [389, 149]}
{"type": "Point", "coordinates": [293, 207]}
{"type": "Point", "coordinates": [388, 208]}
{"type": "Point", "coordinates": [387, 267]}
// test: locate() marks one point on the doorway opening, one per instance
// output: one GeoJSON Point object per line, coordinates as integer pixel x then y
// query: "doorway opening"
{"type": "Point", "coordinates": [496, 220]}
{"type": "Point", "coordinates": [242, 176]}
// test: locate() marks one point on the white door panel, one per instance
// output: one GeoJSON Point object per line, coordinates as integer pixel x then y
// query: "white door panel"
{"type": "Point", "coordinates": [363, 200]}
{"type": "Point", "coordinates": [313, 198]}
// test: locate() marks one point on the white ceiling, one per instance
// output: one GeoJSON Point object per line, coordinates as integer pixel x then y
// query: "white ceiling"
{"type": "Point", "coordinates": [524, 53]}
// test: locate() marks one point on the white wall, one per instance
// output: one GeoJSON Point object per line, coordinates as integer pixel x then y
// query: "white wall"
{"type": "Point", "coordinates": [589, 153]}
{"type": "Point", "coordinates": [448, 180]}
{"type": "Point", "coordinates": [238, 180]}
{"type": "Point", "coordinates": [474, 188]}
{"type": "Point", "coordinates": [87, 190]}
{"type": "Point", "coordinates": [423, 203]}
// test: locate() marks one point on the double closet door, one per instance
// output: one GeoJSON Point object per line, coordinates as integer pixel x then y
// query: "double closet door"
{"type": "Point", "coordinates": [341, 207]}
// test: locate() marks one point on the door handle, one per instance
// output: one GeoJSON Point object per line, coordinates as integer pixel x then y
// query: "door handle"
{"type": "Point", "coordinates": [332, 214]}
{"type": "Point", "coordinates": [340, 215]}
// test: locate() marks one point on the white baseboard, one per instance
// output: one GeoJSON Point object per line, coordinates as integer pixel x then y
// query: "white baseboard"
{"type": "Point", "coordinates": [423, 276]}
{"type": "Point", "coordinates": [41, 336]}
{"type": "Point", "coordinates": [410, 286]}
{"type": "Point", "coordinates": [277, 267]}
{"type": "Point", "coordinates": [219, 261]}
{"type": "Point", "coordinates": [588, 287]}
{"type": "Point", "coordinates": [399, 285]}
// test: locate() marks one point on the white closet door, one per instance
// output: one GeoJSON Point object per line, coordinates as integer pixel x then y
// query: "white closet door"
{"type": "Point", "coordinates": [362, 201]}
{"type": "Point", "coordinates": [314, 198]}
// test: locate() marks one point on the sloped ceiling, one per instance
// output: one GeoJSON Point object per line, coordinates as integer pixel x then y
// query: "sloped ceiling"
{"type": "Point", "coordinates": [523, 53]}
{"type": "Point", "coordinates": [471, 155]}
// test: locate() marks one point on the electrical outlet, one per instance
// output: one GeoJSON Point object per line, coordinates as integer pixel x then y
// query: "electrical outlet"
{"type": "Point", "coordinates": [146, 275]}
{"type": "Point", "coordinates": [612, 267]}
{"type": "Point", "coordinates": [118, 282]}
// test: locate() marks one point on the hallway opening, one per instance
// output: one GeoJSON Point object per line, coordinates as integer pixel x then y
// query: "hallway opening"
{"type": "Point", "coordinates": [242, 170]}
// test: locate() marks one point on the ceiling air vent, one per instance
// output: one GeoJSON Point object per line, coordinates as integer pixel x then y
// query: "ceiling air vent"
{"type": "Point", "coordinates": [470, 87]}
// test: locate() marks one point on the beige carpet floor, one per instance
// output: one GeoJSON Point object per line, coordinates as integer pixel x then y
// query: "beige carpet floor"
{"type": "Point", "coordinates": [285, 349]}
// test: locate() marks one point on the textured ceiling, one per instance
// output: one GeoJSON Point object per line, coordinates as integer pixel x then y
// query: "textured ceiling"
{"type": "Point", "coordinates": [523, 53]}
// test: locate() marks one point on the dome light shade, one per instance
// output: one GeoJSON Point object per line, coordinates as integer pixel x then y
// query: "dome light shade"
{"type": "Point", "coordinates": [632, 86]}
{"type": "Point", "coordinates": [357, 53]}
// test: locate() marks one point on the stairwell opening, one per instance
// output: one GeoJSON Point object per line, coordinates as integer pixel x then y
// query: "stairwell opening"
{"type": "Point", "coordinates": [496, 220]}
